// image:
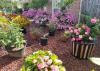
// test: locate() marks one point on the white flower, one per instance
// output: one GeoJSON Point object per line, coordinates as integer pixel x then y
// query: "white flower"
{"type": "Point", "coordinates": [46, 58]}
{"type": "Point", "coordinates": [49, 62]}
{"type": "Point", "coordinates": [34, 61]}
{"type": "Point", "coordinates": [79, 29]}
{"type": "Point", "coordinates": [90, 38]}
{"type": "Point", "coordinates": [46, 69]}
{"type": "Point", "coordinates": [50, 53]}
{"type": "Point", "coordinates": [80, 36]}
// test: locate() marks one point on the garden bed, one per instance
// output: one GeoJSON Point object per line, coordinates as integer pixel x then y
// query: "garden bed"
{"type": "Point", "coordinates": [62, 49]}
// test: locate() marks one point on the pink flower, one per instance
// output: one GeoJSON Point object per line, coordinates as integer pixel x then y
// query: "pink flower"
{"type": "Point", "coordinates": [70, 28]}
{"type": "Point", "coordinates": [87, 33]}
{"type": "Point", "coordinates": [94, 20]}
{"type": "Point", "coordinates": [78, 39]}
{"type": "Point", "coordinates": [76, 31]}
{"type": "Point", "coordinates": [87, 30]}
{"type": "Point", "coordinates": [71, 31]}
{"type": "Point", "coordinates": [40, 66]}
{"type": "Point", "coordinates": [73, 39]}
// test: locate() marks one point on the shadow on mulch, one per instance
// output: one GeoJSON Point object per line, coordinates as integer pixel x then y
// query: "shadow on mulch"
{"type": "Point", "coordinates": [6, 60]}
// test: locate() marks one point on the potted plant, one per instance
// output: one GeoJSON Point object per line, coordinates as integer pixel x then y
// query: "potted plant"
{"type": "Point", "coordinates": [13, 41]}
{"type": "Point", "coordinates": [22, 22]}
{"type": "Point", "coordinates": [42, 61]}
{"type": "Point", "coordinates": [44, 40]}
{"type": "Point", "coordinates": [83, 37]}
{"type": "Point", "coordinates": [52, 29]}
{"type": "Point", "coordinates": [35, 33]}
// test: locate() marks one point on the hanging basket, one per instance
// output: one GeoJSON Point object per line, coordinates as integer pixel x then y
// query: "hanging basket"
{"type": "Point", "coordinates": [82, 50]}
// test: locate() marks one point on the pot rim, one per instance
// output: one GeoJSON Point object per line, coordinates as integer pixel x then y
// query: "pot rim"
{"type": "Point", "coordinates": [84, 43]}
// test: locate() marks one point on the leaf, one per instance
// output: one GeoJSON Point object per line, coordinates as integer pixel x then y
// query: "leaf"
{"type": "Point", "coordinates": [23, 68]}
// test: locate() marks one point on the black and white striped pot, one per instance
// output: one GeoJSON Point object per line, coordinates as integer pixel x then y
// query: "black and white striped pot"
{"type": "Point", "coordinates": [82, 50]}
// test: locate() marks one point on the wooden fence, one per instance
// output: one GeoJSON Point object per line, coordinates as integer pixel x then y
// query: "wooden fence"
{"type": "Point", "coordinates": [91, 7]}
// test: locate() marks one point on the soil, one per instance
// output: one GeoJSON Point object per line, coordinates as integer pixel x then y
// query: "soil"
{"type": "Point", "coordinates": [62, 49]}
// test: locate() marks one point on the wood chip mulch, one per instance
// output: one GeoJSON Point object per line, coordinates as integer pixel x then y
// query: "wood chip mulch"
{"type": "Point", "coordinates": [62, 49]}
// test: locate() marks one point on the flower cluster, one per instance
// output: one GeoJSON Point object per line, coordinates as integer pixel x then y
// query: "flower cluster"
{"type": "Point", "coordinates": [43, 61]}
{"type": "Point", "coordinates": [85, 32]}
{"type": "Point", "coordinates": [39, 16]}
{"type": "Point", "coordinates": [30, 13]}
{"type": "Point", "coordinates": [63, 20]}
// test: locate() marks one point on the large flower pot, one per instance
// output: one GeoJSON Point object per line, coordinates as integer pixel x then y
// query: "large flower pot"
{"type": "Point", "coordinates": [16, 53]}
{"type": "Point", "coordinates": [82, 50]}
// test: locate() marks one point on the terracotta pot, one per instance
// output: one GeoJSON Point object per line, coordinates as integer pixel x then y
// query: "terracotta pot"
{"type": "Point", "coordinates": [82, 50]}
{"type": "Point", "coordinates": [16, 53]}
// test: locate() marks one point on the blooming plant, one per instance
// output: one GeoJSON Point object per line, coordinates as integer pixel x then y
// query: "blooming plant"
{"type": "Point", "coordinates": [42, 61]}
{"type": "Point", "coordinates": [85, 32]}
{"type": "Point", "coordinates": [63, 20]}
{"type": "Point", "coordinates": [39, 16]}
{"type": "Point", "coordinates": [30, 13]}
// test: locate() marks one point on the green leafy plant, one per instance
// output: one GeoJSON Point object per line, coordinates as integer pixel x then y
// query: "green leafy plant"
{"type": "Point", "coordinates": [52, 27]}
{"type": "Point", "coordinates": [36, 4]}
{"type": "Point", "coordinates": [66, 3]}
{"type": "Point", "coordinates": [42, 61]}
{"type": "Point", "coordinates": [12, 38]}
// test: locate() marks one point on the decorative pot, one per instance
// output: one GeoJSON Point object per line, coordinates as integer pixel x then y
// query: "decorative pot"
{"type": "Point", "coordinates": [43, 41]}
{"type": "Point", "coordinates": [82, 50]}
{"type": "Point", "coordinates": [16, 52]}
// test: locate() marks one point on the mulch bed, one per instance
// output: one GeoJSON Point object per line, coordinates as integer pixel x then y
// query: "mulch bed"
{"type": "Point", "coordinates": [62, 49]}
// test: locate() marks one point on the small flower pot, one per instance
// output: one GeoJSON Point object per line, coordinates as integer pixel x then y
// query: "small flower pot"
{"type": "Point", "coordinates": [16, 53]}
{"type": "Point", "coordinates": [82, 50]}
{"type": "Point", "coordinates": [44, 41]}
{"type": "Point", "coordinates": [51, 33]}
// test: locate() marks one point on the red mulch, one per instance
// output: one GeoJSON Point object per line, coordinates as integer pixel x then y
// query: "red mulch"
{"type": "Point", "coordinates": [62, 49]}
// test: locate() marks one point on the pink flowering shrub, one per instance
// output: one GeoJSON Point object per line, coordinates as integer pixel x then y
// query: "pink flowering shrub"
{"type": "Point", "coordinates": [85, 32]}
{"type": "Point", "coordinates": [39, 16]}
{"type": "Point", "coordinates": [43, 61]}
{"type": "Point", "coordinates": [64, 20]}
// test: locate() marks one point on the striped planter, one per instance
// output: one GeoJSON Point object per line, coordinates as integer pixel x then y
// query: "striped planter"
{"type": "Point", "coordinates": [82, 51]}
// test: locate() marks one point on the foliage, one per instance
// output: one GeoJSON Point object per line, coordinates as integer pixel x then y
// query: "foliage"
{"type": "Point", "coordinates": [66, 3]}
{"type": "Point", "coordinates": [42, 61]}
{"type": "Point", "coordinates": [52, 27]}
{"type": "Point", "coordinates": [13, 37]}
{"type": "Point", "coordinates": [21, 21]}
{"type": "Point", "coordinates": [86, 32]}
{"type": "Point", "coordinates": [7, 5]}
{"type": "Point", "coordinates": [36, 4]}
